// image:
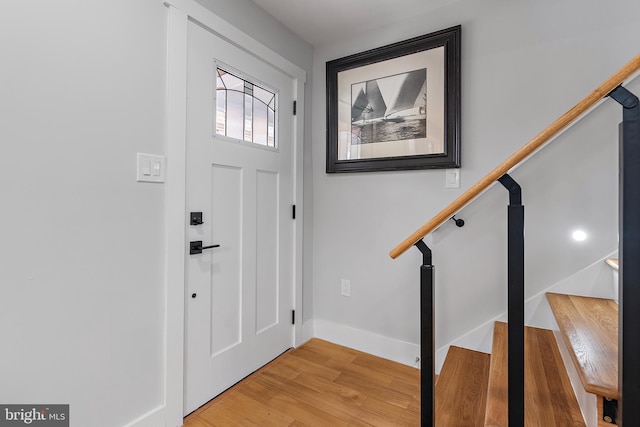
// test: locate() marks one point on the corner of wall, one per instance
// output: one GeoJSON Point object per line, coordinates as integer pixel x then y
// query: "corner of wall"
{"type": "Point", "coordinates": [308, 330]}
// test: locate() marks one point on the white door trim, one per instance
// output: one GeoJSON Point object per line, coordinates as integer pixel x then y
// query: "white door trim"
{"type": "Point", "coordinates": [180, 12]}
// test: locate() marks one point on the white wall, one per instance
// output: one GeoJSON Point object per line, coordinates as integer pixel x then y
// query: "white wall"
{"type": "Point", "coordinates": [82, 294]}
{"type": "Point", "coordinates": [81, 246]}
{"type": "Point", "coordinates": [523, 64]}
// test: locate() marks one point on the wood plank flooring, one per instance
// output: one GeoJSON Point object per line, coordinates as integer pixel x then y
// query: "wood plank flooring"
{"type": "Point", "coordinates": [319, 384]}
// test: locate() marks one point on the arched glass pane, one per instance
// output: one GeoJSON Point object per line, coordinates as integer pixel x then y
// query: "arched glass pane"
{"type": "Point", "coordinates": [263, 95]}
{"type": "Point", "coordinates": [232, 82]}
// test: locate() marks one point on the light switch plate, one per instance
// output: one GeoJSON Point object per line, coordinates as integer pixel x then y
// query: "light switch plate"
{"type": "Point", "coordinates": [345, 287]}
{"type": "Point", "coordinates": [452, 179]}
{"type": "Point", "coordinates": [151, 168]}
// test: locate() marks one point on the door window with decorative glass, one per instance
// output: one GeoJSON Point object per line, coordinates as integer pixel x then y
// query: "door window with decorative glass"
{"type": "Point", "coordinates": [244, 110]}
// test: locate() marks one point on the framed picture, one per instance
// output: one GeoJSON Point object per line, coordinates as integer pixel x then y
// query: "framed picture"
{"type": "Point", "coordinates": [396, 107]}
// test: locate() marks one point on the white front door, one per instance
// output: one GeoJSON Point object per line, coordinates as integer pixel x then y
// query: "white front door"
{"type": "Point", "coordinates": [240, 294]}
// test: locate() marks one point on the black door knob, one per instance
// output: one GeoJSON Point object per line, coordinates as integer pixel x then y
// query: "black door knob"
{"type": "Point", "coordinates": [196, 247]}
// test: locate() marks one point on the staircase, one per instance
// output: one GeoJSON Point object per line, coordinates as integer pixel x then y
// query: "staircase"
{"type": "Point", "coordinates": [535, 392]}
{"type": "Point", "coordinates": [472, 389]}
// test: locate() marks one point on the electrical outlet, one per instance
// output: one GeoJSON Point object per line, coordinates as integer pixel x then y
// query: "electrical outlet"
{"type": "Point", "coordinates": [345, 289]}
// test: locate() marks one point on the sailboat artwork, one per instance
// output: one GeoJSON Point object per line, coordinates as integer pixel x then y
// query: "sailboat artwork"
{"type": "Point", "coordinates": [395, 107]}
{"type": "Point", "coordinates": [392, 108]}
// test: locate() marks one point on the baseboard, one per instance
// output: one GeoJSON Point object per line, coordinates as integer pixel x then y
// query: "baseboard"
{"type": "Point", "coordinates": [153, 418]}
{"type": "Point", "coordinates": [368, 342]}
{"type": "Point", "coordinates": [593, 280]}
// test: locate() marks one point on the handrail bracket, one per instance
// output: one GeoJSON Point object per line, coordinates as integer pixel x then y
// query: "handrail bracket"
{"type": "Point", "coordinates": [624, 97]}
{"type": "Point", "coordinates": [515, 191]}
{"type": "Point", "coordinates": [426, 252]}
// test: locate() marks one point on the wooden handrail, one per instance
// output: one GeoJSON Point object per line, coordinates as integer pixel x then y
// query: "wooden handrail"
{"type": "Point", "coordinates": [554, 128]}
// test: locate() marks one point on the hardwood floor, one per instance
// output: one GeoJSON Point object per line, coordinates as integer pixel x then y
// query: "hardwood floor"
{"type": "Point", "coordinates": [319, 384]}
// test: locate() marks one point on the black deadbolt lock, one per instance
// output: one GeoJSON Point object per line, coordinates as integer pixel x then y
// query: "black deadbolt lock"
{"type": "Point", "coordinates": [196, 218]}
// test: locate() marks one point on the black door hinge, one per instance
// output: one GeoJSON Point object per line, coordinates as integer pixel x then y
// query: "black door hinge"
{"type": "Point", "coordinates": [293, 212]}
{"type": "Point", "coordinates": [293, 317]}
{"type": "Point", "coordinates": [295, 107]}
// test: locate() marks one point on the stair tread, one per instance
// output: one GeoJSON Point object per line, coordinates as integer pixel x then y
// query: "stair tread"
{"type": "Point", "coordinates": [461, 390]}
{"type": "Point", "coordinates": [549, 398]}
{"type": "Point", "coordinates": [589, 327]}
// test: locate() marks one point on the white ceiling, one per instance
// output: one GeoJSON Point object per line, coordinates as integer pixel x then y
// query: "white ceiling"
{"type": "Point", "coordinates": [323, 21]}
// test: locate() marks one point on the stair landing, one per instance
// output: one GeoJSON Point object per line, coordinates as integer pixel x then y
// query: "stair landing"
{"type": "Point", "coordinates": [549, 397]}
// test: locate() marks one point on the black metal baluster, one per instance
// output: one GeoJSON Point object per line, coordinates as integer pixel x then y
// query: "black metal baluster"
{"type": "Point", "coordinates": [515, 273]}
{"type": "Point", "coordinates": [427, 342]}
{"type": "Point", "coordinates": [629, 253]}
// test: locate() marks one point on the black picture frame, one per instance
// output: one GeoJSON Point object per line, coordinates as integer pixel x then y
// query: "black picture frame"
{"type": "Point", "coordinates": [367, 127]}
